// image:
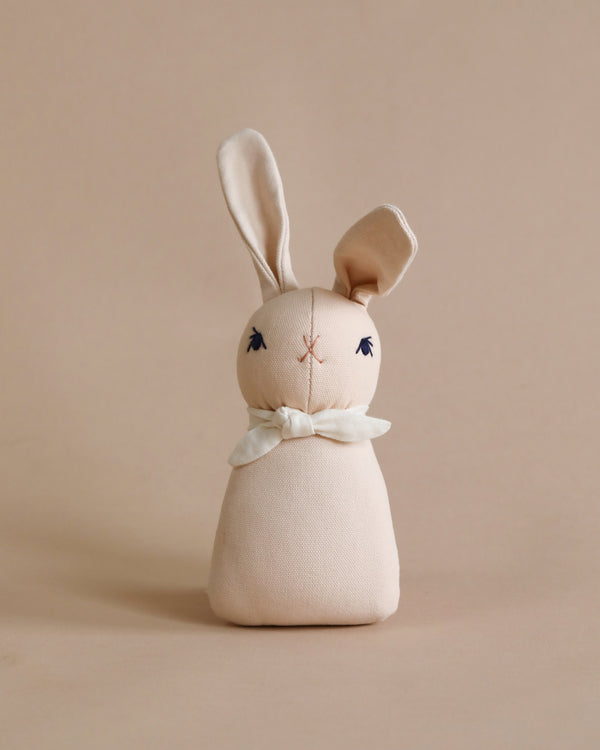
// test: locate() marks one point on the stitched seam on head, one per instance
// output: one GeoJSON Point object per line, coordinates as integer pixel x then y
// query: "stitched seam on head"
{"type": "Point", "coordinates": [310, 364]}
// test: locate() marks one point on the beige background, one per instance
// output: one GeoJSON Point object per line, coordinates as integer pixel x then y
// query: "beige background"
{"type": "Point", "coordinates": [124, 289]}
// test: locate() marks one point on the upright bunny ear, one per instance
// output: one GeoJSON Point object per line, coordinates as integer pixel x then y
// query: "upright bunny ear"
{"type": "Point", "coordinates": [373, 255]}
{"type": "Point", "coordinates": [254, 195]}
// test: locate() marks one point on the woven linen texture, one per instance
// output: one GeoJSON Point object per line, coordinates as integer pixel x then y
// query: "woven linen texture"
{"type": "Point", "coordinates": [306, 537]}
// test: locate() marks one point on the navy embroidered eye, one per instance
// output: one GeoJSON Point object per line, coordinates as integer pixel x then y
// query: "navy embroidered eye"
{"type": "Point", "coordinates": [365, 346]}
{"type": "Point", "coordinates": [256, 341]}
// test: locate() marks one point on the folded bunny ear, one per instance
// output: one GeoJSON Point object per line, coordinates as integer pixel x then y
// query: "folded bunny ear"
{"type": "Point", "coordinates": [373, 255]}
{"type": "Point", "coordinates": [254, 195]}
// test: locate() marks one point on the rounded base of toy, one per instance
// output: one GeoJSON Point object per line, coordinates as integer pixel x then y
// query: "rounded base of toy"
{"type": "Point", "coordinates": [306, 538]}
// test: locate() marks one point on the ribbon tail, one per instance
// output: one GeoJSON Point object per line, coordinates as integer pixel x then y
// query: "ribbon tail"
{"type": "Point", "coordinates": [353, 428]}
{"type": "Point", "coordinates": [256, 443]}
{"type": "Point", "coordinates": [377, 426]}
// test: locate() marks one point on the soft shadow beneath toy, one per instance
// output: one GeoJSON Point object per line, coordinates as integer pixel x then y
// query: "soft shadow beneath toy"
{"type": "Point", "coordinates": [188, 605]}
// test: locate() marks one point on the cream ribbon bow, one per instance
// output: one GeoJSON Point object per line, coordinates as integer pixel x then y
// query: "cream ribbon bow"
{"type": "Point", "coordinates": [268, 428]}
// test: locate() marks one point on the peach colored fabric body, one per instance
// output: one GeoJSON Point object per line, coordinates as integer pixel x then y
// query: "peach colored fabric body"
{"type": "Point", "coordinates": [305, 535]}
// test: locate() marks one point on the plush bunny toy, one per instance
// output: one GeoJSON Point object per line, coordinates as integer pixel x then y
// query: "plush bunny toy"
{"type": "Point", "coordinates": [305, 535]}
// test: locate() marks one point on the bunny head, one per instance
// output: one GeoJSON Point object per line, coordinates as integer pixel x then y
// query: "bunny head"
{"type": "Point", "coordinates": [310, 349]}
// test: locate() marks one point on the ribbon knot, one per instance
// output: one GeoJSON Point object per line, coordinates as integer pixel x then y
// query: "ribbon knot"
{"type": "Point", "coordinates": [268, 428]}
{"type": "Point", "coordinates": [293, 423]}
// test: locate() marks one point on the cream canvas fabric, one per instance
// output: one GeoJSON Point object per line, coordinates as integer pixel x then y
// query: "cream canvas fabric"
{"type": "Point", "coordinates": [305, 535]}
{"type": "Point", "coordinates": [306, 538]}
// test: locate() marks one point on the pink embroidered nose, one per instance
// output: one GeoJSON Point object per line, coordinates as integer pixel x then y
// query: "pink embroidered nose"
{"type": "Point", "coordinates": [310, 349]}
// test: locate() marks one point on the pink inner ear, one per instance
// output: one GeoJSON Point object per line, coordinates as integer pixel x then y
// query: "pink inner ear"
{"type": "Point", "coordinates": [373, 255]}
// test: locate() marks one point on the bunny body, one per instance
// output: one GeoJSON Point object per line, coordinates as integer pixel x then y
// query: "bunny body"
{"type": "Point", "coordinates": [305, 534]}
